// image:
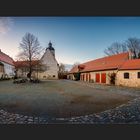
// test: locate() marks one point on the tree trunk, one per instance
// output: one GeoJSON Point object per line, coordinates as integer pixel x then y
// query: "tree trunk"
{"type": "Point", "coordinates": [30, 65]}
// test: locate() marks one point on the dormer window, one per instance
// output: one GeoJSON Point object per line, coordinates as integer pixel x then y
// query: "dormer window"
{"type": "Point", "coordinates": [81, 67]}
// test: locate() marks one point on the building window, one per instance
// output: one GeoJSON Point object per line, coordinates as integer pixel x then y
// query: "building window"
{"type": "Point", "coordinates": [53, 75]}
{"type": "Point", "coordinates": [138, 75]}
{"type": "Point", "coordinates": [126, 75]}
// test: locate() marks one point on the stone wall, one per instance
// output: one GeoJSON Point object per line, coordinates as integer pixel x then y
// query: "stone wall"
{"type": "Point", "coordinates": [133, 81]}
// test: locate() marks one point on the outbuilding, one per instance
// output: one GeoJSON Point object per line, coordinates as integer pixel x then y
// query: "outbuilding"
{"type": "Point", "coordinates": [119, 69]}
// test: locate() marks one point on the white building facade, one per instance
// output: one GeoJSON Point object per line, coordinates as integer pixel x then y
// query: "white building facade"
{"type": "Point", "coordinates": [6, 65]}
{"type": "Point", "coordinates": [51, 64]}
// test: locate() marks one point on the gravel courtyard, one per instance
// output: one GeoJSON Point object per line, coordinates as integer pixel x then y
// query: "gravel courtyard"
{"type": "Point", "coordinates": [59, 101]}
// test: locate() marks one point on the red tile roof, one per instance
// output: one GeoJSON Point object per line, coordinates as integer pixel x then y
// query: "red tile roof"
{"type": "Point", "coordinates": [131, 65]}
{"type": "Point", "coordinates": [5, 58]}
{"type": "Point", "coordinates": [19, 64]}
{"type": "Point", "coordinates": [74, 69]}
{"type": "Point", "coordinates": [105, 63]}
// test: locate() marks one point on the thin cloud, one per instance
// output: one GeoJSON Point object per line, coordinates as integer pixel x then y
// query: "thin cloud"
{"type": "Point", "coordinates": [5, 24]}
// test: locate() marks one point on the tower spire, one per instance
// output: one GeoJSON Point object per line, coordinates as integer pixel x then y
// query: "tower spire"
{"type": "Point", "coordinates": [50, 44]}
{"type": "Point", "coordinates": [51, 48]}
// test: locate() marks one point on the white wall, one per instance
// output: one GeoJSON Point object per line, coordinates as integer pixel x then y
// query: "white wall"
{"type": "Point", "coordinates": [51, 64]}
{"type": "Point", "coordinates": [8, 69]}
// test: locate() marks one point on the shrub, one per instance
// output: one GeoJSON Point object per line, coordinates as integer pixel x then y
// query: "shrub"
{"type": "Point", "coordinates": [112, 78]}
{"type": "Point", "coordinates": [35, 80]}
{"type": "Point", "coordinates": [18, 81]}
{"type": "Point", "coordinates": [77, 76]}
{"type": "Point", "coordinates": [62, 76]}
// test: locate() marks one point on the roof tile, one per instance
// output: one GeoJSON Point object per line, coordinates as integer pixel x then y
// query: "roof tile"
{"type": "Point", "coordinates": [19, 64]}
{"type": "Point", "coordinates": [131, 65]}
{"type": "Point", "coordinates": [105, 63]}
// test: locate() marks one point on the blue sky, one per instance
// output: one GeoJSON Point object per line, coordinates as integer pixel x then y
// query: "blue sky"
{"type": "Point", "coordinates": [75, 39]}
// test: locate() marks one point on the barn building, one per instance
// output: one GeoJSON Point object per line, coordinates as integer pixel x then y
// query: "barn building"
{"type": "Point", "coordinates": [120, 69]}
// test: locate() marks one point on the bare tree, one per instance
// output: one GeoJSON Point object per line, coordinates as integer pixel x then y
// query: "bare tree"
{"type": "Point", "coordinates": [112, 77]}
{"type": "Point", "coordinates": [133, 44]}
{"type": "Point", "coordinates": [61, 67]}
{"type": "Point", "coordinates": [76, 64]}
{"type": "Point", "coordinates": [39, 67]}
{"type": "Point", "coordinates": [115, 48]}
{"type": "Point", "coordinates": [62, 71]}
{"type": "Point", "coordinates": [77, 74]}
{"type": "Point", "coordinates": [30, 50]}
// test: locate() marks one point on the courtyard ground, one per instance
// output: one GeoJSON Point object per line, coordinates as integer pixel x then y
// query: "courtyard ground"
{"type": "Point", "coordinates": [62, 98]}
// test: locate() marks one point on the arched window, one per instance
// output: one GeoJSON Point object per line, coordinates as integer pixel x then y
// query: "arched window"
{"type": "Point", "coordinates": [126, 75]}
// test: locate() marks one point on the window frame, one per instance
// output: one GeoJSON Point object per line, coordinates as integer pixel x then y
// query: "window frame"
{"type": "Point", "coordinates": [138, 75]}
{"type": "Point", "coordinates": [126, 76]}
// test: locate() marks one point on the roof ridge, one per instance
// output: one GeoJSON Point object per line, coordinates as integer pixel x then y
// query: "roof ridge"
{"type": "Point", "coordinates": [6, 58]}
{"type": "Point", "coordinates": [113, 62]}
{"type": "Point", "coordinates": [104, 57]}
{"type": "Point", "coordinates": [131, 64]}
{"type": "Point", "coordinates": [7, 55]}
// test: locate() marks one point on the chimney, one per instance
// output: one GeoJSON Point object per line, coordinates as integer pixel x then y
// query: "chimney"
{"type": "Point", "coordinates": [131, 54]}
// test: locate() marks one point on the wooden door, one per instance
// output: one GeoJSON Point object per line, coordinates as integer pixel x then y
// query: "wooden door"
{"type": "Point", "coordinates": [103, 78]}
{"type": "Point", "coordinates": [97, 77]}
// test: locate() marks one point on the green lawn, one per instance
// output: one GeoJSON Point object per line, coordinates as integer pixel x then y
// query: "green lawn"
{"type": "Point", "coordinates": [57, 98]}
